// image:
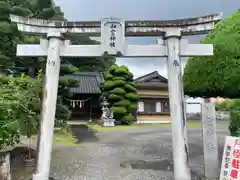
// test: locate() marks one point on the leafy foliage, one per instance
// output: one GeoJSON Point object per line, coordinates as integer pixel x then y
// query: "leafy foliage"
{"type": "Point", "coordinates": [20, 94]}
{"type": "Point", "coordinates": [233, 106]}
{"type": "Point", "coordinates": [19, 107]}
{"type": "Point", "coordinates": [217, 75]}
{"type": "Point", "coordinates": [121, 93]}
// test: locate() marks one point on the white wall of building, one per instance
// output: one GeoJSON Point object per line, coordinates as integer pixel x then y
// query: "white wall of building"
{"type": "Point", "coordinates": [193, 108]}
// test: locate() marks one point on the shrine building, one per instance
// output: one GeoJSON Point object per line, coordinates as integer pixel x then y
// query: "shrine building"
{"type": "Point", "coordinates": [153, 106]}
{"type": "Point", "coordinates": [85, 104]}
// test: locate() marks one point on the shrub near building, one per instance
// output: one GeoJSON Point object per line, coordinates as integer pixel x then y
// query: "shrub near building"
{"type": "Point", "coordinates": [121, 93]}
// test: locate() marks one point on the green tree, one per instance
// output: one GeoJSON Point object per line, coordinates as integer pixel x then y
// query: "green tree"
{"type": "Point", "coordinates": [217, 75]}
{"type": "Point", "coordinates": [121, 93]}
{"type": "Point", "coordinates": [9, 35]}
{"type": "Point", "coordinates": [19, 106]}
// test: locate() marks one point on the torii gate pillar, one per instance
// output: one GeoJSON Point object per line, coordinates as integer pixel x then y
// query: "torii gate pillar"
{"type": "Point", "coordinates": [172, 38]}
{"type": "Point", "coordinates": [50, 92]}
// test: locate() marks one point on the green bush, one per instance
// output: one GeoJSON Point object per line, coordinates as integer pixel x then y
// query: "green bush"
{"type": "Point", "coordinates": [114, 97]}
{"type": "Point", "coordinates": [132, 106]}
{"type": "Point", "coordinates": [130, 88]}
{"type": "Point", "coordinates": [132, 96]}
{"type": "Point", "coordinates": [234, 126]}
{"type": "Point", "coordinates": [128, 119]}
{"type": "Point", "coordinates": [108, 85]}
{"type": "Point", "coordinates": [118, 91]}
{"type": "Point", "coordinates": [119, 110]}
{"type": "Point", "coordinates": [113, 68]}
{"type": "Point", "coordinates": [19, 107]}
{"type": "Point", "coordinates": [121, 71]}
{"type": "Point", "coordinates": [119, 83]}
{"type": "Point", "coordinates": [233, 106]}
{"type": "Point", "coordinates": [108, 77]}
{"type": "Point", "coordinates": [119, 78]}
{"type": "Point", "coordinates": [9, 134]}
{"type": "Point", "coordinates": [62, 112]}
{"type": "Point", "coordinates": [123, 103]}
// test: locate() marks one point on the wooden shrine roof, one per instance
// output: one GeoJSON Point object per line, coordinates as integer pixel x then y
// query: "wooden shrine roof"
{"type": "Point", "coordinates": [89, 83]}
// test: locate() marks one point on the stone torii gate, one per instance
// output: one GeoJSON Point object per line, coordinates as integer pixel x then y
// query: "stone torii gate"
{"type": "Point", "coordinates": [113, 32]}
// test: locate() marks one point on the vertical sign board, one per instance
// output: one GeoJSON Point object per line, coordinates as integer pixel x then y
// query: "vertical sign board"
{"type": "Point", "coordinates": [210, 142]}
{"type": "Point", "coordinates": [230, 169]}
{"type": "Point", "coordinates": [112, 36]}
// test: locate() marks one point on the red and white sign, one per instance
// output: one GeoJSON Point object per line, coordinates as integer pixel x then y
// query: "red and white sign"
{"type": "Point", "coordinates": [231, 159]}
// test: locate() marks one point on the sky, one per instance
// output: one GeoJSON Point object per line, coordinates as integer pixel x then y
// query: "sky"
{"type": "Point", "coordinates": [80, 10]}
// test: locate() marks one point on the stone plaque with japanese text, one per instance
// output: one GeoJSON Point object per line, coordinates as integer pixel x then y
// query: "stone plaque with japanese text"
{"type": "Point", "coordinates": [210, 142]}
{"type": "Point", "coordinates": [113, 36]}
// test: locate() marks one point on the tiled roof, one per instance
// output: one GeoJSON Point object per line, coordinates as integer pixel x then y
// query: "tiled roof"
{"type": "Point", "coordinates": [89, 83]}
{"type": "Point", "coordinates": [152, 80]}
{"type": "Point", "coordinates": [149, 76]}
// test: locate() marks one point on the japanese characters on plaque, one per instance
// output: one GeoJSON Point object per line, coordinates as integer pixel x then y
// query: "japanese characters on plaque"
{"type": "Point", "coordinates": [230, 169]}
{"type": "Point", "coordinates": [112, 39]}
{"type": "Point", "coordinates": [113, 35]}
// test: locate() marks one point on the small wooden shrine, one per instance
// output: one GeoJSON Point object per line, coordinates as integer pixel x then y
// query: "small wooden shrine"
{"type": "Point", "coordinates": [85, 104]}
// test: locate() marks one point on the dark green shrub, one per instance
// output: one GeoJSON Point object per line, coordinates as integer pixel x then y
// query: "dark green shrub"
{"type": "Point", "coordinates": [113, 68]}
{"type": "Point", "coordinates": [121, 71]}
{"type": "Point", "coordinates": [132, 96]}
{"type": "Point", "coordinates": [123, 103]}
{"type": "Point", "coordinates": [118, 91]}
{"type": "Point", "coordinates": [119, 83]}
{"type": "Point", "coordinates": [114, 98]}
{"type": "Point", "coordinates": [128, 119]}
{"type": "Point", "coordinates": [234, 126]}
{"type": "Point", "coordinates": [130, 88]}
{"type": "Point", "coordinates": [132, 106]}
{"type": "Point", "coordinates": [108, 85]}
{"type": "Point", "coordinates": [119, 78]}
{"type": "Point", "coordinates": [119, 110]}
{"type": "Point", "coordinates": [108, 77]}
{"type": "Point", "coordinates": [9, 134]}
{"type": "Point", "coordinates": [62, 112]}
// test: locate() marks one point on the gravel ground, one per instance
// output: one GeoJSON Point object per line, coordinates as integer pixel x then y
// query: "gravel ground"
{"type": "Point", "coordinates": [136, 154]}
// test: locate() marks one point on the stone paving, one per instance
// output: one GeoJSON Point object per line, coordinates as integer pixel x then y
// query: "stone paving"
{"type": "Point", "coordinates": [136, 154]}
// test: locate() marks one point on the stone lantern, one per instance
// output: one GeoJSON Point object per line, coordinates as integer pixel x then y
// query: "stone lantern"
{"type": "Point", "coordinates": [107, 114]}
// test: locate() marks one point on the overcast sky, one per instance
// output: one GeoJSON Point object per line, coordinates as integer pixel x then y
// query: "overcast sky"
{"type": "Point", "coordinates": [146, 10]}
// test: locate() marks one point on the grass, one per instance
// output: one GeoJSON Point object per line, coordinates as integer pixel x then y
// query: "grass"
{"type": "Point", "coordinates": [190, 124]}
{"type": "Point", "coordinates": [62, 137]}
